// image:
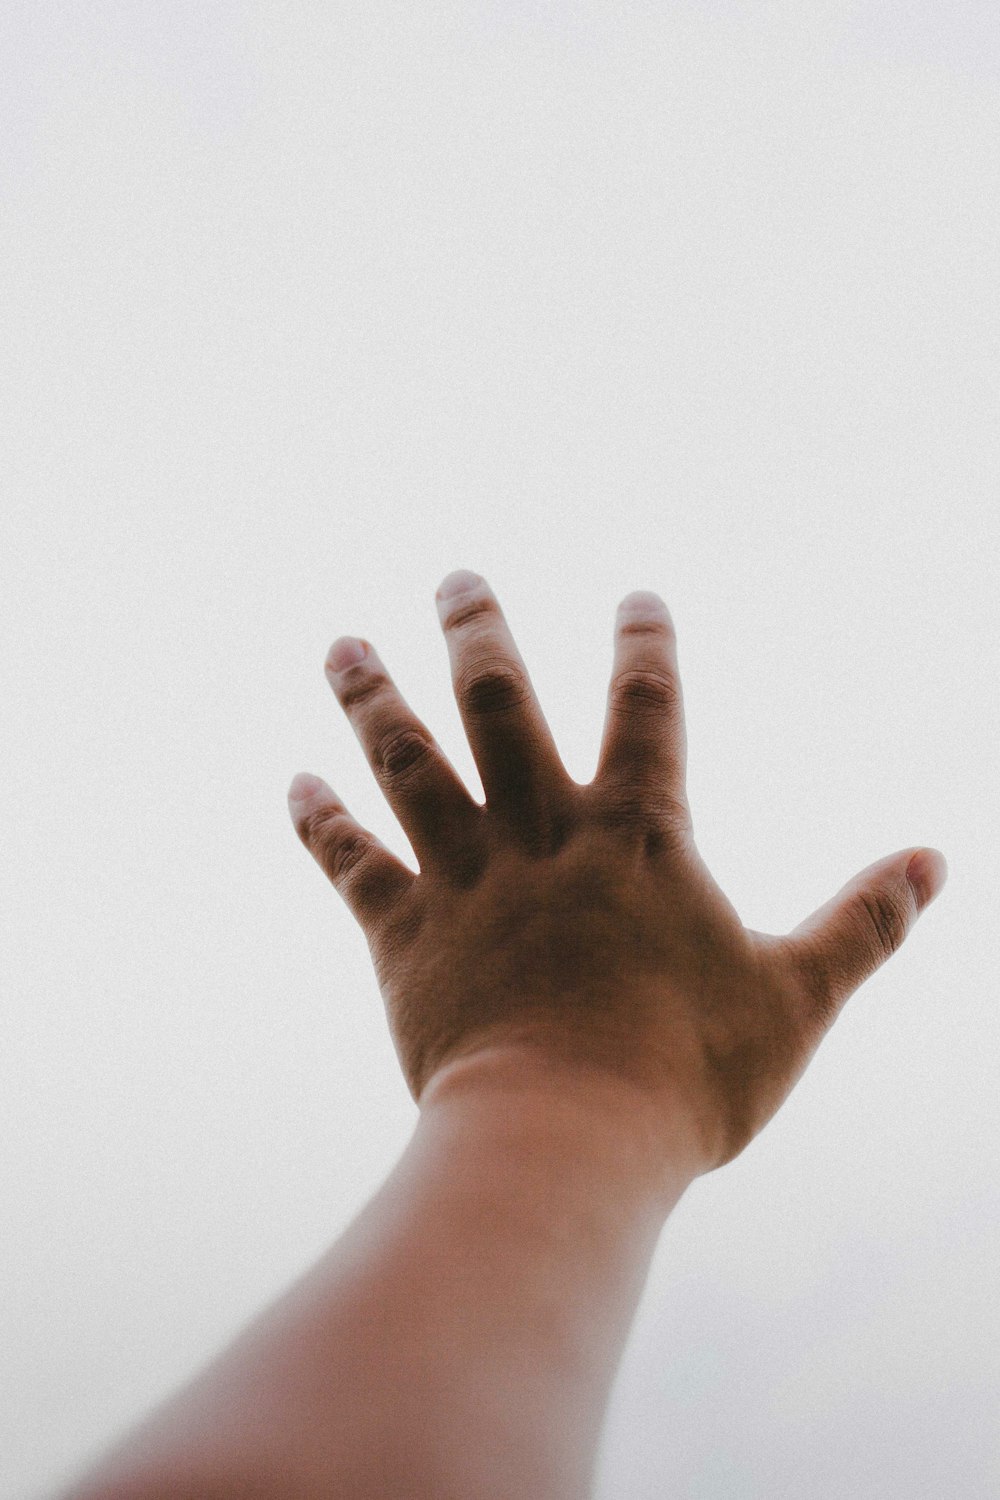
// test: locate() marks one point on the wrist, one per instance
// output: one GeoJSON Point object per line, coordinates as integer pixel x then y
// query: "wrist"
{"type": "Point", "coordinates": [639, 1147]}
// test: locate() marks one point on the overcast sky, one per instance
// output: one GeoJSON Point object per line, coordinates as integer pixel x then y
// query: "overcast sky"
{"type": "Point", "coordinates": [305, 305]}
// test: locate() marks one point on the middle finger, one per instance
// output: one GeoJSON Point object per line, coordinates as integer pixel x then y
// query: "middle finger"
{"type": "Point", "coordinates": [519, 765]}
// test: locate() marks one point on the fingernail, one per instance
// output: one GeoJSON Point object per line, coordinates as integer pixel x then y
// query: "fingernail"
{"type": "Point", "coordinates": [926, 876]}
{"type": "Point", "coordinates": [642, 601]}
{"type": "Point", "coordinates": [303, 787]}
{"type": "Point", "coordinates": [459, 582]}
{"type": "Point", "coordinates": [346, 652]}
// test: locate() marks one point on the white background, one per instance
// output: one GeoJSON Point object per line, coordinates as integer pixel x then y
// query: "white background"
{"type": "Point", "coordinates": [305, 305]}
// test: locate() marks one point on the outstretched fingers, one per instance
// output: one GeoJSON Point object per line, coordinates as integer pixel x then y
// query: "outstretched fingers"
{"type": "Point", "coordinates": [366, 874]}
{"type": "Point", "coordinates": [849, 937]}
{"type": "Point", "coordinates": [429, 798]}
{"type": "Point", "coordinates": [643, 759]}
{"type": "Point", "coordinates": [518, 762]}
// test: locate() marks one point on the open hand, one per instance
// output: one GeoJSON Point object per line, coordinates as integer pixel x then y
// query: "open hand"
{"type": "Point", "coordinates": [578, 924]}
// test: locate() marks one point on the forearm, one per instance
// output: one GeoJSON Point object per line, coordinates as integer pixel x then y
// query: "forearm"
{"type": "Point", "coordinates": [462, 1336]}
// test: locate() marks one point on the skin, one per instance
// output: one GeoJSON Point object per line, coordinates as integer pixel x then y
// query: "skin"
{"type": "Point", "coordinates": [586, 1026]}
{"type": "Point", "coordinates": [580, 923]}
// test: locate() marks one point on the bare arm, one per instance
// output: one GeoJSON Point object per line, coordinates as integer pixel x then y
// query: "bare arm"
{"type": "Point", "coordinates": [459, 1340]}
{"type": "Point", "coordinates": [586, 1026]}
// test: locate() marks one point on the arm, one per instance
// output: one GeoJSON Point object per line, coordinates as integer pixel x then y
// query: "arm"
{"type": "Point", "coordinates": [586, 1027]}
{"type": "Point", "coordinates": [460, 1339]}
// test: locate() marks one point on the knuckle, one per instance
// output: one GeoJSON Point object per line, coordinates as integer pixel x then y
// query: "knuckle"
{"type": "Point", "coordinates": [814, 981]}
{"type": "Point", "coordinates": [309, 825]}
{"type": "Point", "coordinates": [344, 853]}
{"type": "Point", "coordinates": [401, 750]}
{"type": "Point", "coordinates": [670, 825]}
{"type": "Point", "coordinates": [361, 688]}
{"type": "Point", "coordinates": [799, 965]}
{"type": "Point", "coordinates": [885, 918]}
{"type": "Point", "coordinates": [816, 990]}
{"type": "Point", "coordinates": [628, 809]}
{"type": "Point", "coordinates": [480, 607]}
{"type": "Point", "coordinates": [645, 688]}
{"type": "Point", "coordinates": [662, 821]}
{"type": "Point", "coordinates": [658, 625]}
{"type": "Point", "coordinates": [491, 686]}
{"type": "Point", "coordinates": [336, 842]}
{"type": "Point", "coordinates": [812, 989]}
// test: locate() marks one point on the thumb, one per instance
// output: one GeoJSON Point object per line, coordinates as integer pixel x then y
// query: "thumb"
{"type": "Point", "coordinates": [842, 944]}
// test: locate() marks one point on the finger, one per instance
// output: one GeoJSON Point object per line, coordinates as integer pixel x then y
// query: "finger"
{"type": "Point", "coordinates": [643, 757]}
{"type": "Point", "coordinates": [842, 943]}
{"type": "Point", "coordinates": [428, 797]}
{"type": "Point", "coordinates": [366, 874]}
{"type": "Point", "coordinates": [521, 770]}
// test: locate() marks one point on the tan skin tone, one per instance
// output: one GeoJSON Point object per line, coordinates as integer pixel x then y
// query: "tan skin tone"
{"type": "Point", "coordinates": [586, 1025]}
{"type": "Point", "coordinates": [579, 924]}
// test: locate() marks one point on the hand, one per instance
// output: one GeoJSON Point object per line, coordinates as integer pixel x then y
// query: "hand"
{"type": "Point", "coordinates": [578, 926]}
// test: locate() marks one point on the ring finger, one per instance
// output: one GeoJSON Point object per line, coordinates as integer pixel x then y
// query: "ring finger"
{"type": "Point", "coordinates": [421, 786]}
